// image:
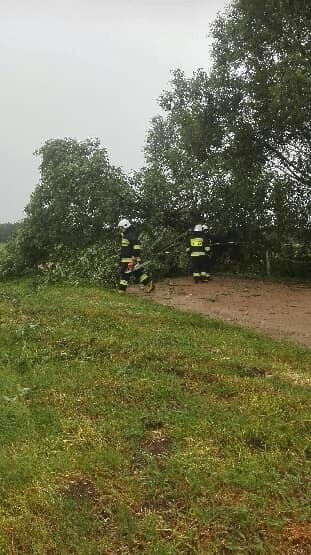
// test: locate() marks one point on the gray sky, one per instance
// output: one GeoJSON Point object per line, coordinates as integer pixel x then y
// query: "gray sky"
{"type": "Point", "coordinates": [88, 68]}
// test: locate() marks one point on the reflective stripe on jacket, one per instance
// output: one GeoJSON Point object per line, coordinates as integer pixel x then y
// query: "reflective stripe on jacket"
{"type": "Point", "coordinates": [130, 245]}
{"type": "Point", "coordinates": [199, 246]}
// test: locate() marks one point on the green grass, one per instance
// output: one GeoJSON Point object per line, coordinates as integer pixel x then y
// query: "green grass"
{"type": "Point", "coordinates": [129, 428]}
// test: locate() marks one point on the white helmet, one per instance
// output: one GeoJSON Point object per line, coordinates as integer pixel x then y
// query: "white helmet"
{"type": "Point", "coordinates": [204, 227]}
{"type": "Point", "coordinates": [124, 224]}
{"type": "Point", "coordinates": [198, 227]}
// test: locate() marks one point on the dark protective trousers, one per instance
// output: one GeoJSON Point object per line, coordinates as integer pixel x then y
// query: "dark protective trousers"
{"type": "Point", "coordinates": [138, 276]}
{"type": "Point", "coordinates": [200, 267]}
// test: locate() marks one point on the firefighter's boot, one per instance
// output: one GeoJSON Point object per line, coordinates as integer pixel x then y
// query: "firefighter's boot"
{"type": "Point", "coordinates": [149, 287]}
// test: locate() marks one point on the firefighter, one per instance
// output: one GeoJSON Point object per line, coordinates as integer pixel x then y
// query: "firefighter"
{"type": "Point", "coordinates": [130, 256]}
{"type": "Point", "coordinates": [198, 250]}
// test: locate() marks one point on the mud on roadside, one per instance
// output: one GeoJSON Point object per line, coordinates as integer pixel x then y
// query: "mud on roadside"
{"type": "Point", "coordinates": [277, 310]}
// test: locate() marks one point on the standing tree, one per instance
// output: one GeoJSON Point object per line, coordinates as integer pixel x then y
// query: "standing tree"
{"type": "Point", "coordinates": [262, 60]}
{"type": "Point", "coordinates": [234, 144]}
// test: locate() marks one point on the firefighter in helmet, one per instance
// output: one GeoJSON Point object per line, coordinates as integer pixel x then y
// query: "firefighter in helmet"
{"type": "Point", "coordinates": [199, 250]}
{"type": "Point", "coordinates": [130, 259]}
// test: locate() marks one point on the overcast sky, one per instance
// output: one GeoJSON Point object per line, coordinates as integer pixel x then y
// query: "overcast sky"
{"type": "Point", "coordinates": [89, 68]}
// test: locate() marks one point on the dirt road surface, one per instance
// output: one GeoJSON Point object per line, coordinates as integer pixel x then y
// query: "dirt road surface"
{"type": "Point", "coordinates": [277, 310]}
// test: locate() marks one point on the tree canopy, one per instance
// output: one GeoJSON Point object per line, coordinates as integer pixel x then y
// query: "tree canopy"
{"type": "Point", "coordinates": [79, 196]}
{"type": "Point", "coordinates": [237, 139]}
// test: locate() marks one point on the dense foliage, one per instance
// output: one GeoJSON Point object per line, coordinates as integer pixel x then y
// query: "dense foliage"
{"type": "Point", "coordinates": [233, 145]}
{"type": "Point", "coordinates": [231, 148]}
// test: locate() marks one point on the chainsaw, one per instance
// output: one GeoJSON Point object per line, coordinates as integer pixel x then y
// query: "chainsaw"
{"type": "Point", "coordinates": [133, 267]}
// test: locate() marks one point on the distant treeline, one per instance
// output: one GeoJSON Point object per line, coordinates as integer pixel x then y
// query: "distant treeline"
{"type": "Point", "coordinates": [6, 231]}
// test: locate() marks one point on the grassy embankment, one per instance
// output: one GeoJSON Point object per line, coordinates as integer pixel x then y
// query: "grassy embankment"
{"type": "Point", "coordinates": [128, 427]}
